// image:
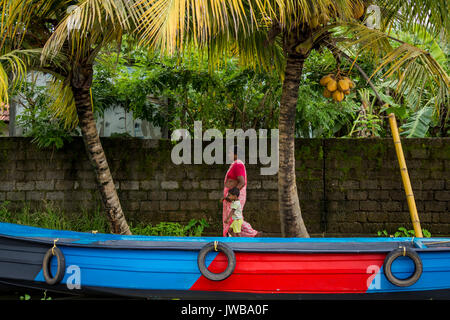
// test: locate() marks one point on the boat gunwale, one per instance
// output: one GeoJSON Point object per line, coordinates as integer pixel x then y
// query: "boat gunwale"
{"type": "Point", "coordinates": [241, 244]}
{"type": "Point", "coordinates": [247, 247]}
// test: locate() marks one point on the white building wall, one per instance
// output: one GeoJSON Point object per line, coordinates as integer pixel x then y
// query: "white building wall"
{"type": "Point", "coordinates": [117, 121]}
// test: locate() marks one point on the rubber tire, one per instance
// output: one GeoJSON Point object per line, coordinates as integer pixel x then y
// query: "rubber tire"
{"type": "Point", "coordinates": [61, 266]}
{"type": "Point", "coordinates": [229, 253]}
{"type": "Point", "coordinates": [390, 258]}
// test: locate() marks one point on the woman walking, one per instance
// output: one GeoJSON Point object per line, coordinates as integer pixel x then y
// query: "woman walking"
{"type": "Point", "coordinates": [236, 177]}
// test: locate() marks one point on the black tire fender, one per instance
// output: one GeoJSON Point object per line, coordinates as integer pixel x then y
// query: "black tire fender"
{"type": "Point", "coordinates": [216, 246]}
{"type": "Point", "coordinates": [61, 266]}
{"type": "Point", "coordinates": [394, 254]}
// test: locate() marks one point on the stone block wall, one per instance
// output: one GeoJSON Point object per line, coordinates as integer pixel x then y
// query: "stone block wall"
{"type": "Point", "coordinates": [364, 189]}
{"type": "Point", "coordinates": [347, 187]}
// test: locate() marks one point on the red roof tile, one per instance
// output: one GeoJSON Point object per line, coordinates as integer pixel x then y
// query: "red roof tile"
{"type": "Point", "coordinates": [4, 112]}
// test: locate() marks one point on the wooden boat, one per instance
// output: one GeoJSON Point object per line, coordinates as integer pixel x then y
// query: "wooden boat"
{"type": "Point", "coordinates": [206, 267]}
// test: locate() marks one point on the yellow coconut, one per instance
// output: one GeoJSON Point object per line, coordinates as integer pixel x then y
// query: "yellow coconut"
{"type": "Point", "coordinates": [358, 10]}
{"type": "Point", "coordinates": [347, 92]}
{"type": "Point", "coordinates": [338, 96]}
{"type": "Point", "coordinates": [326, 93]}
{"type": "Point", "coordinates": [347, 79]}
{"type": "Point", "coordinates": [332, 85]}
{"type": "Point", "coordinates": [351, 84]}
{"type": "Point", "coordinates": [324, 81]}
{"type": "Point", "coordinates": [343, 85]}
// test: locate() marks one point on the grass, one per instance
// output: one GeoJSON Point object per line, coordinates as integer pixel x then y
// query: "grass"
{"type": "Point", "coordinates": [53, 218]}
{"type": "Point", "coordinates": [50, 217]}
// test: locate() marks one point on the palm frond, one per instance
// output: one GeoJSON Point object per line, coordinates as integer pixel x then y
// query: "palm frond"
{"type": "Point", "coordinates": [252, 51]}
{"type": "Point", "coordinates": [4, 85]}
{"type": "Point", "coordinates": [15, 65]}
{"type": "Point", "coordinates": [17, 15]}
{"type": "Point", "coordinates": [432, 14]}
{"type": "Point", "coordinates": [13, 70]}
{"type": "Point", "coordinates": [90, 24]}
{"type": "Point", "coordinates": [166, 24]}
{"type": "Point", "coordinates": [411, 65]}
{"type": "Point", "coordinates": [63, 103]}
{"type": "Point", "coordinates": [415, 67]}
{"type": "Point", "coordinates": [357, 35]}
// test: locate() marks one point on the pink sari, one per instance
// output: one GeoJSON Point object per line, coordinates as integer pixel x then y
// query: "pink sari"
{"type": "Point", "coordinates": [246, 230]}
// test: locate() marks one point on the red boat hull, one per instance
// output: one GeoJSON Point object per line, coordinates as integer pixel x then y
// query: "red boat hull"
{"type": "Point", "coordinates": [295, 273]}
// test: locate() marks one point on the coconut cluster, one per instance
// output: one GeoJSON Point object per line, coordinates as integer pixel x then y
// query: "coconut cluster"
{"type": "Point", "coordinates": [336, 86]}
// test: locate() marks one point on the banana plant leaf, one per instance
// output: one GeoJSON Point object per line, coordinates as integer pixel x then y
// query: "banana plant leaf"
{"type": "Point", "coordinates": [418, 124]}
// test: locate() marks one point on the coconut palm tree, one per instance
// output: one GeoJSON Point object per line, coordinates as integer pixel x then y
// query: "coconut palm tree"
{"type": "Point", "coordinates": [261, 32]}
{"type": "Point", "coordinates": [62, 38]}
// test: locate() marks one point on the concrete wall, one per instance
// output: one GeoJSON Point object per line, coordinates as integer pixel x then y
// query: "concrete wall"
{"type": "Point", "coordinates": [347, 187]}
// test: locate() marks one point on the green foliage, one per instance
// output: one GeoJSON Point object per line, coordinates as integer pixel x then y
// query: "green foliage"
{"type": "Point", "coordinates": [317, 116]}
{"type": "Point", "coordinates": [5, 214]}
{"type": "Point", "coordinates": [48, 217]}
{"type": "Point", "coordinates": [369, 121]}
{"type": "Point", "coordinates": [423, 94]}
{"type": "Point", "coordinates": [88, 220]}
{"type": "Point", "coordinates": [38, 122]}
{"type": "Point", "coordinates": [426, 233]}
{"type": "Point", "coordinates": [194, 228]}
{"type": "Point", "coordinates": [418, 124]}
{"type": "Point", "coordinates": [399, 110]}
{"type": "Point", "coordinates": [45, 296]}
{"type": "Point", "coordinates": [176, 92]}
{"type": "Point", "coordinates": [403, 232]}
{"type": "Point", "coordinates": [383, 233]}
{"type": "Point", "coordinates": [25, 297]}
{"type": "Point", "coordinates": [3, 126]}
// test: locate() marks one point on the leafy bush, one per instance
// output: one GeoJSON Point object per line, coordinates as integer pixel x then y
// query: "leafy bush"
{"type": "Point", "coordinates": [38, 122]}
{"type": "Point", "coordinates": [194, 228]}
{"type": "Point", "coordinates": [403, 232]}
{"type": "Point", "coordinates": [3, 126]}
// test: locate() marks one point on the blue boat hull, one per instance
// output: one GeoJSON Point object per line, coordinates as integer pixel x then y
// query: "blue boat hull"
{"type": "Point", "coordinates": [269, 268]}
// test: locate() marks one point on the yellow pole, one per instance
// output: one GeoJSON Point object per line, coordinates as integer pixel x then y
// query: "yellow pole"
{"type": "Point", "coordinates": [405, 177]}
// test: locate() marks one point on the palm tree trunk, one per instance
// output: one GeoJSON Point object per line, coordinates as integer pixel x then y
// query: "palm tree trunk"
{"type": "Point", "coordinates": [105, 183]}
{"type": "Point", "coordinates": [292, 224]}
